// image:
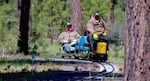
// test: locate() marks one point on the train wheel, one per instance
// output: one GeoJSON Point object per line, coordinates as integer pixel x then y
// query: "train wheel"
{"type": "Point", "coordinates": [95, 58]}
{"type": "Point", "coordinates": [90, 57]}
{"type": "Point", "coordinates": [83, 58]}
{"type": "Point", "coordinates": [62, 56]}
{"type": "Point", "coordinates": [76, 57]}
{"type": "Point", "coordinates": [69, 57]}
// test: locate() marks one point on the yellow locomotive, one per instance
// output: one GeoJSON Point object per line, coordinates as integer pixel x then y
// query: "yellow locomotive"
{"type": "Point", "coordinates": [99, 47]}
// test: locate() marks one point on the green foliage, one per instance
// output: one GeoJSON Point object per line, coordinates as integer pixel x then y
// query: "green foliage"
{"type": "Point", "coordinates": [47, 15]}
{"type": "Point", "coordinates": [89, 7]}
{"type": "Point", "coordinates": [113, 57]}
{"type": "Point", "coordinates": [51, 50]}
{"type": "Point", "coordinates": [119, 11]}
{"type": "Point", "coordinates": [44, 48]}
{"type": "Point", "coordinates": [48, 20]}
{"type": "Point", "coordinates": [8, 27]}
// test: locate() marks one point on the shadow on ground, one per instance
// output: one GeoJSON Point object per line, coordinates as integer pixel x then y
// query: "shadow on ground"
{"type": "Point", "coordinates": [49, 75]}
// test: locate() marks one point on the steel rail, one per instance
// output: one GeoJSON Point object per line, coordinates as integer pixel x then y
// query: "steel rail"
{"type": "Point", "coordinates": [105, 68]}
{"type": "Point", "coordinates": [108, 69]}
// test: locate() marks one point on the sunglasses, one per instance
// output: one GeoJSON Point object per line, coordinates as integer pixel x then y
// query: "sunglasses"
{"type": "Point", "coordinates": [97, 17]}
{"type": "Point", "coordinates": [69, 26]}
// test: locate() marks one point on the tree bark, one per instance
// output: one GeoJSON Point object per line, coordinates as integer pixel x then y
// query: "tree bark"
{"type": "Point", "coordinates": [30, 27]}
{"type": "Point", "coordinates": [24, 10]}
{"type": "Point", "coordinates": [112, 17]}
{"type": "Point", "coordinates": [137, 41]}
{"type": "Point", "coordinates": [75, 13]}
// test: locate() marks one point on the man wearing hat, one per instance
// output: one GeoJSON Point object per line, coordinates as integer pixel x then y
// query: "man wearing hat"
{"type": "Point", "coordinates": [68, 38]}
{"type": "Point", "coordinates": [99, 41]}
{"type": "Point", "coordinates": [95, 18]}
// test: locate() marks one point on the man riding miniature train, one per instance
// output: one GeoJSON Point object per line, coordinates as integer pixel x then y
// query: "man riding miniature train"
{"type": "Point", "coordinates": [99, 41]}
{"type": "Point", "coordinates": [94, 19]}
{"type": "Point", "coordinates": [72, 44]}
{"type": "Point", "coordinates": [68, 38]}
{"type": "Point", "coordinates": [98, 38]}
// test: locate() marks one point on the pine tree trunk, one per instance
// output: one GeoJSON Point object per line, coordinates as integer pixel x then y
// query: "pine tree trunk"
{"type": "Point", "coordinates": [24, 9]}
{"type": "Point", "coordinates": [75, 12]}
{"type": "Point", "coordinates": [137, 41]}
{"type": "Point", "coordinates": [112, 17]}
{"type": "Point", "coordinates": [30, 27]}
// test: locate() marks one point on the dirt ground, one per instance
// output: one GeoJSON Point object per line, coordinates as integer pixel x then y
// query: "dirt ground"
{"type": "Point", "coordinates": [57, 71]}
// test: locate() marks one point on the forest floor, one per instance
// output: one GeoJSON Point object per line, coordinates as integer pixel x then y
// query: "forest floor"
{"type": "Point", "coordinates": [17, 68]}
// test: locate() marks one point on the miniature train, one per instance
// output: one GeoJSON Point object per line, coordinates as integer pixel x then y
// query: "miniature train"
{"type": "Point", "coordinates": [88, 49]}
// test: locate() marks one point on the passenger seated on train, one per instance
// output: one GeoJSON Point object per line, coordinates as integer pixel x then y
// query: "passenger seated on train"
{"type": "Point", "coordinates": [68, 39]}
{"type": "Point", "coordinates": [99, 41]}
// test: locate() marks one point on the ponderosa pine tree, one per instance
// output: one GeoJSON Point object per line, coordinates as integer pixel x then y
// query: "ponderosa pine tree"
{"type": "Point", "coordinates": [24, 10]}
{"type": "Point", "coordinates": [75, 12]}
{"type": "Point", "coordinates": [137, 40]}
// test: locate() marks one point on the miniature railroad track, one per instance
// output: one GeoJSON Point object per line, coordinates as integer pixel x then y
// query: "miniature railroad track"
{"type": "Point", "coordinates": [104, 69]}
{"type": "Point", "coordinates": [108, 69]}
{"type": "Point", "coordinates": [80, 70]}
